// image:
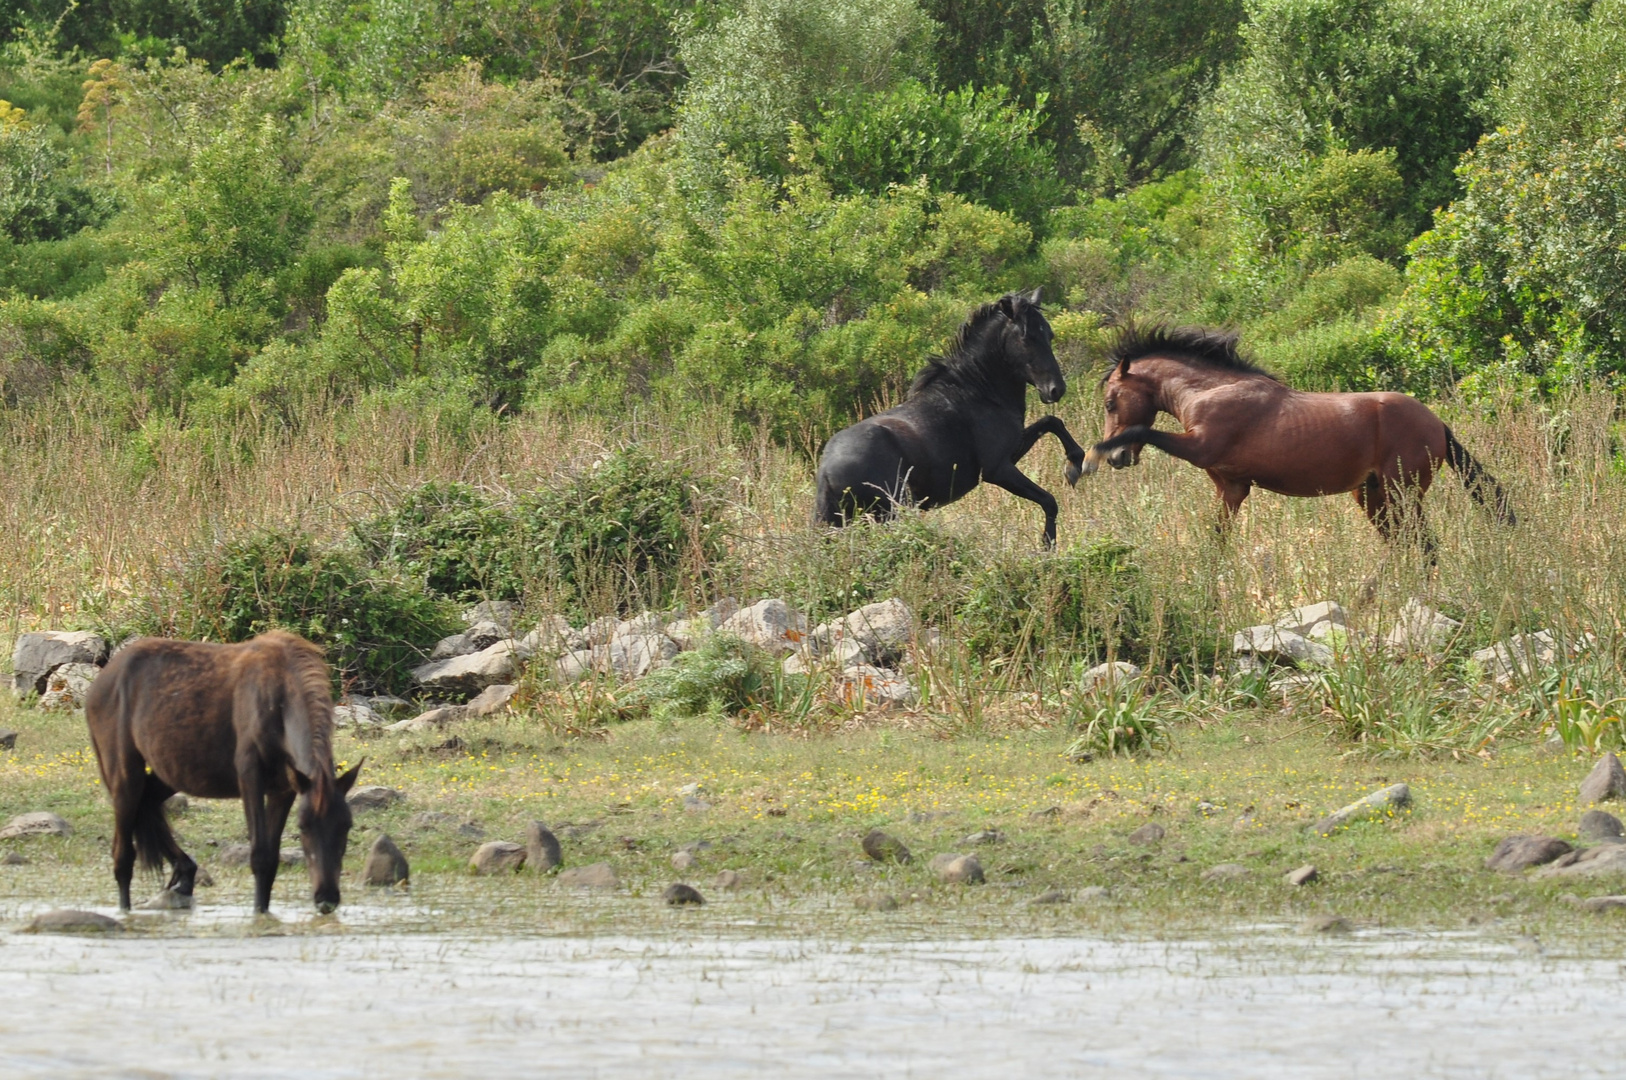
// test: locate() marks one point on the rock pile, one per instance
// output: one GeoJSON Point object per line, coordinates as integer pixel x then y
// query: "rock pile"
{"type": "Point", "coordinates": [59, 665]}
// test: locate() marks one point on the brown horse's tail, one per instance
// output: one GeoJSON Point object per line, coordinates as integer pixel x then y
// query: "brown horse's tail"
{"type": "Point", "coordinates": [150, 831]}
{"type": "Point", "coordinates": [1484, 488]}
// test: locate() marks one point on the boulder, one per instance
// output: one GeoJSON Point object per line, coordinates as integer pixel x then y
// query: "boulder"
{"type": "Point", "coordinates": [640, 625]}
{"type": "Point", "coordinates": [1515, 854]}
{"type": "Point", "coordinates": [1421, 629]}
{"type": "Point", "coordinates": [36, 655]}
{"type": "Point", "coordinates": [881, 630]}
{"type": "Point", "coordinates": [493, 699]}
{"type": "Point", "coordinates": [66, 687]}
{"type": "Point", "coordinates": [1605, 859]}
{"type": "Point", "coordinates": [689, 633]}
{"type": "Point", "coordinates": [953, 869]}
{"type": "Point", "coordinates": [497, 857]}
{"type": "Point", "coordinates": [8, 739]}
{"type": "Point", "coordinates": [1109, 675]}
{"type": "Point", "coordinates": [429, 721]}
{"type": "Point", "coordinates": [1302, 876]}
{"type": "Point", "coordinates": [864, 687]}
{"type": "Point", "coordinates": [599, 631]}
{"type": "Point", "coordinates": [771, 624]}
{"type": "Point", "coordinates": [1606, 781]}
{"type": "Point", "coordinates": [1597, 825]}
{"type": "Point", "coordinates": [883, 848]}
{"type": "Point", "coordinates": [729, 880]}
{"type": "Point", "coordinates": [38, 823]}
{"type": "Point", "coordinates": [684, 860]}
{"type": "Point", "coordinates": [69, 921]}
{"type": "Point", "coordinates": [1273, 643]}
{"type": "Point", "coordinates": [574, 666]}
{"type": "Point", "coordinates": [471, 673]}
{"type": "Point", "coordinates": [542, 850]}
{"type": "Point", "coordinates": [1379, 804]}
{"type": "Point", "coordinates": [386, 865]}
{"type": "Point", "coordinates": [599, 875]}
{"type": "Point", "coordinates": [844, 655]}
{"type": "Point", "coordinates": [1524, 656]}
{"type": "Point", "coordinates": [679, 895]}
{"type": "Point", "coordinates": [356, 716]}
{"type": "Point", "coordinates": [634, 655]}
{"type": "Point", "coordinates": [1315, 621]}
{"type": "Point", "coordinates": [550, 637]}
{"type": "Point", "coordinates": [374, 797]}
{"type": "Point", "coordinates": [1148, 834]}
{"type": "Point", "coordinates": [499, 612]}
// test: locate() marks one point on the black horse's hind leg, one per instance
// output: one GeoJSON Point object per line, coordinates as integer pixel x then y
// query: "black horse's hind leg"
{"type": "Point", "coordinates": [1052, 425]}
{"type": "Point", "coordinates": [1016, 482]}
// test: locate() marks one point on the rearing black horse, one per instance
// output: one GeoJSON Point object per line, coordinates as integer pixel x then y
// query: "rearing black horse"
{"type": "Point", "coordinates": [960, 425]}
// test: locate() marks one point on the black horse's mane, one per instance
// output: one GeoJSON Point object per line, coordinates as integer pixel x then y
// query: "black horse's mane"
{"type": "Point", "coordinates": [1193, 344]}
{"type": "Point", "coordinates": [963, 364]}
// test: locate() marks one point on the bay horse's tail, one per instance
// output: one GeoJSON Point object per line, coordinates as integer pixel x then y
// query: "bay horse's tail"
{"type": "Point", "coordinates": [1484, 488]}
{"type": "Point", "coordinates": [150, 832]}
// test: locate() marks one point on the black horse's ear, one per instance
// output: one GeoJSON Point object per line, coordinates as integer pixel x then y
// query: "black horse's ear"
{"type": "Point", "coordinates": [348, 780]}
{"type": "Point", "coordinates": [1033, 297]}
{"type": "Point", "coordinates": [1007, 306]}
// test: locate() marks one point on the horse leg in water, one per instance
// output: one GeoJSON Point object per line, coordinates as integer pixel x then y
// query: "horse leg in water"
{"type": "Point", "coordinates": [1052, 425]}
{"type": "Point", "coordinates": [126, 791]}
{"type": "Point", "coordinates": [1013, 480]}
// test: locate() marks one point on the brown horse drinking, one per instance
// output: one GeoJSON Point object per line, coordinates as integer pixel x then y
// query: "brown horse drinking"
{"type": "Point", "coordinates": [250, 721]}
{"type": "Point", "coordinates": [1244, 427]}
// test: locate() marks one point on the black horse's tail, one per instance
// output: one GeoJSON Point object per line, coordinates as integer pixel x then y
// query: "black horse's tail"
{"type": "Point", "coordinates": [153, 840]}
{"type": "Point", "coordinates": [1484, 488]}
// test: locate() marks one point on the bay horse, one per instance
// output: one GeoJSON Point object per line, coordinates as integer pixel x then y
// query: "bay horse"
{"type": "Point", "coordinates": [1246, 428]}
{"type": "Point", "coordinates": [251, 721]}
{"type": "Point", "coordinates": [959, 425]}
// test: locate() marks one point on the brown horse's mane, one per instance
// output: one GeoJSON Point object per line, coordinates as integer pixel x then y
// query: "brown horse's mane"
{"type": "Point", "coordinates": [962, 361]}
{"type": "Point", "coordinates": [309, 677]}
{"type": "Point", "coordinates": [1192, 344]}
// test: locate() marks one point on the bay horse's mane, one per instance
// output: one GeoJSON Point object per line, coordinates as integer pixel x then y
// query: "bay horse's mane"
{"type": "Point", "coordinates": [963, 365]}
{"type": "Point", "coordinates": [309, 678]}
{"type": "Point", "coordinates": [1192, 344]}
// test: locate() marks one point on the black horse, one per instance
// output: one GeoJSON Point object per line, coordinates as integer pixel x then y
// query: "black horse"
{"type": "Point", "coordinates": [960, 425]}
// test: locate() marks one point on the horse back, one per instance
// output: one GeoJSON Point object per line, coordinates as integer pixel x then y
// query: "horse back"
{"type": "Point", "coordinates": [199, 713]}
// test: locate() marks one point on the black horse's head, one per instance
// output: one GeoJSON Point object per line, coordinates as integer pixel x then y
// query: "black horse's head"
{"type": "Point", "coordinates": [1027, 337]}
{"type": "Point", "coordinates": [324, 832]}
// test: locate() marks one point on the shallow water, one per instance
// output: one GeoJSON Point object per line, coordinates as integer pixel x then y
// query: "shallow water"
{"type": "Point", "coordinates": [733, 994]}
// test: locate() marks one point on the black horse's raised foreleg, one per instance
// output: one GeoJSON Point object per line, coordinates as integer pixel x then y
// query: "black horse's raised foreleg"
{"type": "Point", "coordinates": [1017, 483]}
{"type": "Point", "coordinates": [1052, 425]}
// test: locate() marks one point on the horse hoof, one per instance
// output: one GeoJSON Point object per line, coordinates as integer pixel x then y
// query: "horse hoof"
{"type": "Point", "coordinates": [1074, 471]}
{"type": "Point", "coordinates": [169, 900]}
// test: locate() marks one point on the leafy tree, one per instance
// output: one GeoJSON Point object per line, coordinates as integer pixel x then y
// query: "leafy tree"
{"type": "Point", "coordinates": [219, 31]}
{"type": "Point", "coordinates": [39, 198]}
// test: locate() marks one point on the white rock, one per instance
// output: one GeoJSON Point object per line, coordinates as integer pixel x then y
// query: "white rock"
{"type": "Point", "coordinates": [1524, 655]}
{"type": "Point", "coordinates": [639, 626]}
{"type": "Point", "coordinates": [769, 624]}
{"type": "Point", "coordinates": [550, 637]}
{"type": "Point", "coordinates": [635, 655]}
{"type": "Point", "coordinates": [38, 654]}
{"type": "Point", "coordinates": [66, 687]}
{"type": "Point", "coordinates": [38, 823]}
{"type": "Point", "coordinates": [493, 699]}
{"type": "Point", "coordinates": [471, 673]}
{"type": "Point", "coordinates": [1115, 673]}
{"type": "Point", "coordinates": [1315, 620]}
{"type": "Point", "coordinates": [600, 630]}
{"type": "Point", "coordinates": [431, 720]}
{"type": "Point", "coordinates": [1273, 641]}
{"type": "Point", "coordinates": [574, 666]}
{"type": "Point", "coordinates": [501, 612]}
{"type": "Point", "coordinates": [882, 629]}
{"type": "Point", "coordinates": [689, 633]}
{"type": "Point", "coordinates": [1421, 629]}
{"type": "Point", "coordinates": [844, 654]}
{"type": "Point", "coordinates": [865, 686]}
{"type": "Point", "coordinates": [356, 716]}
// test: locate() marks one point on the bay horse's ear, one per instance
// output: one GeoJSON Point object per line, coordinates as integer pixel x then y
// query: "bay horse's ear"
{"type": "Point", "coordinates": [348, 780]}
{"type": "Point", "coordinates": [1123, 368]}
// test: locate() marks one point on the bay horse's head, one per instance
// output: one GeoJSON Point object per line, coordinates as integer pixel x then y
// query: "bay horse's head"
{"type": "Point", "coordinates": [324, 831]}
{"type": "Point", "coordinates": [1131, 401]}
{"type": "Point", "coordinates": [1027, 336]}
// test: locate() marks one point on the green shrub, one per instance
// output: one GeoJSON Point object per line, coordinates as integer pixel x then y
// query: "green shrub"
{"type": "Point", "coordinates": [724, 675]}
{"type": "Point", "coordinates": [452, 539]}
{"type": "Point", "coordinates": [1089, 600]}
{"type": "Point", "coordinates": [375, 627]}
{"type": "Point", "coordinates": [1117, 720]}
{"type": "Point", "coordinates": [914, 558]}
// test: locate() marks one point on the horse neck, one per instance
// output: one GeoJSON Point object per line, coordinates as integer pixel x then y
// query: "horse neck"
{"type": "Point", "coordinates": [1179, 383]}
{"type": "Point", "coordinates": [985, 361]}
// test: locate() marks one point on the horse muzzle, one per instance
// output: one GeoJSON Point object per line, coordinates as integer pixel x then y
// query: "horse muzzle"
{"type": "Point", "coordinates": [1052, 393]}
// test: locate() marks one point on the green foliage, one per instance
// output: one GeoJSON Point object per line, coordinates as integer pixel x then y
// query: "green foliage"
{"type": "Point", "coordinates": [217, 30]}
{"type": "Point", "coordinates": [1395, 708]}
{"type": "Point", "coordinates": [1117, 720]}
{"type": "Point", "coordinates": [624, 533]}
{"type": "Point", "coordinates": [916, 558]}
{"type": "Point", "coordinates": [39, 197]}
{"type": "Point", "coordinates": [981, 145]}
{"type": "Point", "coordinates": [375, 627]}
{"type": "Point", "coordinates": [773, 62]}
{"type": "Point", "coordinates": [724, 675]}
{"type": "Point", "coordinates": [1088, 601]}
